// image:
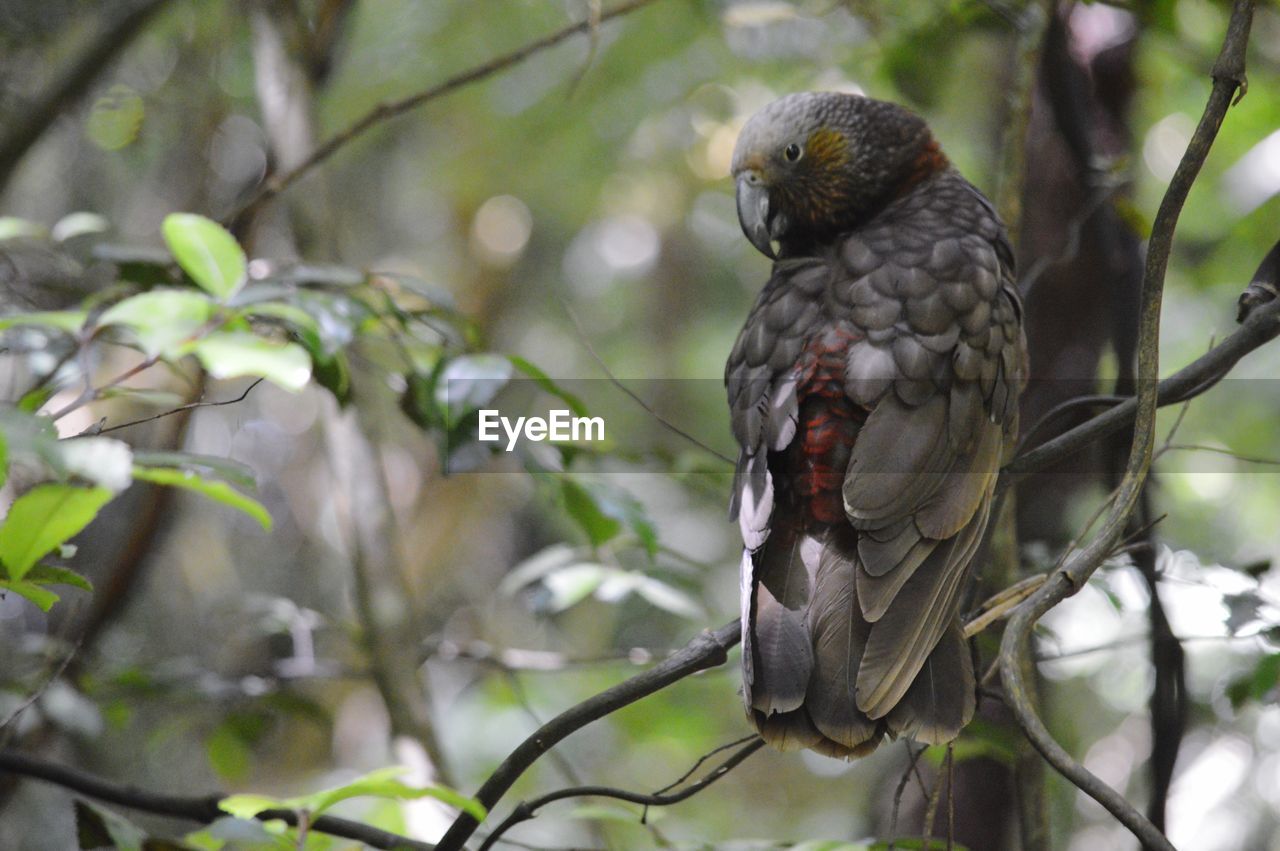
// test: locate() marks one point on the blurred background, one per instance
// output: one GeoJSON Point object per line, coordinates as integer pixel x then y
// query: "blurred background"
{"type": "Point", "coordinates": [571, 215]}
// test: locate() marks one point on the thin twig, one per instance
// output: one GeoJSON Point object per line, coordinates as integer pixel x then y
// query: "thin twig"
{"type": "Point", "coordinates": [1200, 447]}
{"type": "Point", "coordinates": [1063, 408]}
{"type": "Point", "coordinates": [53, 677]}
{"type": "Point", "coordinates": [522, 699]}
{"type": "Point", "coordinates": [1001, 604]}
{"type": "Point", "coordinates": [202, 809]}
{"type": "Point", "coordinates": [1259, 328]}
{"type": "Point", "coordinates": [707, 650]}
{"type": "Point", "coordinates": [391, 109]}
{"type": "Point", "coordinates": [951, 795]}
{"type": "Point", "coordinates": [1075, 231]}
{"type": "Point", "coordinates": [702, 760]}
{"type": "Point", "coordinates": [1228, 77]}
{"type": "Point", "coordinates": [913, 756]}
{"type": "Point", "coordinates": [616, 382]}
{"type": "Point", "coordinates": [593, 32]}
{"type": "Point", "coordinates": [526, 810]}
{"type": "Point", "coordinates": [931, 809]}
{"type": "Point", "coordinates": [190, 406]}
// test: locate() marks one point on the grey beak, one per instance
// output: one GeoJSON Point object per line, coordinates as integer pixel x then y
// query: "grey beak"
{"type": "Point", "coordinates": [753, 212]}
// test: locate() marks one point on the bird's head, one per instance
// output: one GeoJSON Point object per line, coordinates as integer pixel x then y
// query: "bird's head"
{"type": "Point", "coordinates": [810, 165]}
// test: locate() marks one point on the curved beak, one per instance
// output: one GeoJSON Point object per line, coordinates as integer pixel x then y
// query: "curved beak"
{"type": "Point", "coordinates": [753, 212]}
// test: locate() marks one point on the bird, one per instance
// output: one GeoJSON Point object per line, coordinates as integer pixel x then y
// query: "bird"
{"type": "Point", "coordinates": [872, 392]}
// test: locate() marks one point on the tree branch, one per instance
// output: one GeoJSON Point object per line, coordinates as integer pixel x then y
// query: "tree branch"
{"type": "Point", "coordinates": [201, 808]}
{"type": "Point", "coordinates": [707, 650]}
{"type": "Point", "coordinates": [1228, 76]}
{"type": "Point", "coordinates": [1260, 327]}
{"type": "Point", "coordinates": [73, 83]}
{"type": "Point", "coordinates": [526, 810]}
{"type": "Point", "coordinates": [387, 110]}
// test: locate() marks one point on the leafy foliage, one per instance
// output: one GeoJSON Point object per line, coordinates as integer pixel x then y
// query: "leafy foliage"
{"type": "Point", "coordinates": [383, 783]}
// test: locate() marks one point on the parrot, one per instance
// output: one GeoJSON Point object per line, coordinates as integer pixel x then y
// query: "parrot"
{"type": "Point", "coordinates": [873, 392]}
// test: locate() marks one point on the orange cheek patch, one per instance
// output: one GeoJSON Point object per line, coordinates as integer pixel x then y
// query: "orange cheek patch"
{"type": "Point", "coordinates": [827, 149]}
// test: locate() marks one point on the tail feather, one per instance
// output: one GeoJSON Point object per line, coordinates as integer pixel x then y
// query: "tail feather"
{"type": "Point", "coordinates": [804, 641]}
{"type": "Point", "coordinates": [839, 634]}
{"type": "Point", "coordinates": [780, 647]}
{"type": "Point", "coordinates": [783, 655]}
{"type": "Point", "coordinates": [942, 699]}
{"type": "Point", "coordinates": [787, 731]}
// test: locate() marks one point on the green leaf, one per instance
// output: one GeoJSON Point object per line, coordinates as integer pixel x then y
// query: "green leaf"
{"type": "Point", "coordinates": [537, 566]}
{"type": "Point", "coordinates": [13, 228]}
{"type": "Point", "coordinates": [431, 291]}
{"type": "Point", "coordinates": [46, 574]}
{"type": "Point", "coordinates": [43, 518]}
{"type": "Point", "coordinates": [581, 505]}
{"type": "Point", "coordinates": [78, 224]}
{"type": "Point", "coordinates": [4, 459]}
{"type": "Point", "coordinates": [915, 843]}
{"type": "Point", "coordinates": [573, 584]}
{"type": "Point", "coordinates": [226, 468]}
{"type": "Point", "coordinates": [98, 828]}
{"type": "Point", "coordinates": [418, 402]}
{"type": "Point", "coordinates": [207, 252]}
{"type": "Point", "coordinates": [382, 783]}
{"type": "Point", "coordinates": [247, 806]}
{"type": "Point", "coordinates": [163, 321]}
{"type": "Point", "coordinates": [145, 265]}
{"type": "Point", "coordinates": [116, 118]}
{"type": "Point", "coordinates": [985, 739]}
{"type": "Point", "coordinates": [328, 363]}
{"type": "Point", "coordinates": [62, 320]}
{"type": "Point", "coordinates": [37, 594]}
{"type": "Point", "coordinates": [469, 382]}
{"type": "Point", "coordinates": [668, 598]}
{"type": "Point", "coordinates": [237, 834]}
{"type": "Point", "coordinates": [228, 753]}
{"type": "Point", "coordinates": [544, 381]}
{"type": "Point", "coordinates": [232, 354]}
{"type": "Point", "coordinates": [217, 491]}
{"type": "Point", "coordinates": [34, 399]}
{"type": "Point", "coordinates": [333, 374]}
{"type": "Point", "coordinates": [1265, 676]}
{"type": "Point", "coordinates": [31, 436]}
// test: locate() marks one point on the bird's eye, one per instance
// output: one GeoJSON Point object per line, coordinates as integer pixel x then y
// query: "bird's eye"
{"type": "Point", "coordinates": [791, 152]}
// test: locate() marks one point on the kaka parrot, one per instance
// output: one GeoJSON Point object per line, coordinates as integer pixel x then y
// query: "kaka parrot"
{"type": "Point", "coordinates": [872, 392]}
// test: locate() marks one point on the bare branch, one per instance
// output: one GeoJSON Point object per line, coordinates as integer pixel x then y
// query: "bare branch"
{"type": "Point", "coordinates": [190, 406]}
{"type": "Point", "coordinates": [707, 650]}
{"type": "Point", "coordinates": [1259, 328]}
{"type": "Point", "coordinates": [1228, 77]}
{"type": "Point", "coordinates": [54, 675]}
{"type": "Point", "coordinates": [200, 808]}
{"type": "Point", "coordinates": [391, 109]}
{"type": "Point", "coordinates": [1264, 286]}
{"type": "Point", "coordinates": [526, 810]}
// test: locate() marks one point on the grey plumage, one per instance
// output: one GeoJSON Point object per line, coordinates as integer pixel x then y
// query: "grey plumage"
{"type": "Point", "coordinates": [872, 391]}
